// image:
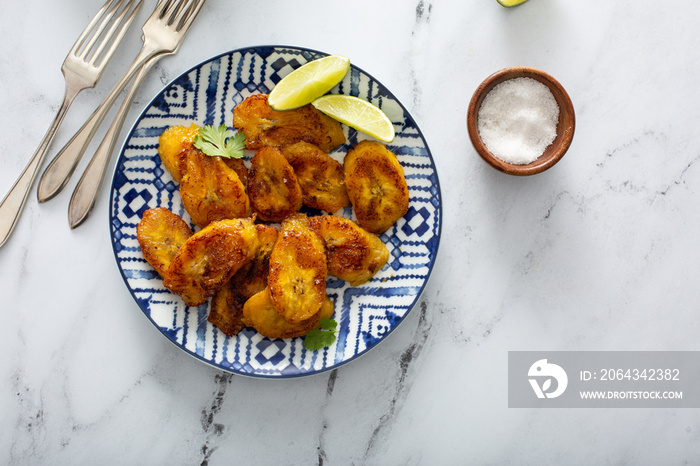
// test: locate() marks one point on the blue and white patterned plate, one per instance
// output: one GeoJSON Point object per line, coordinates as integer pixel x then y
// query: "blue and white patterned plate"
{"type": "Point", "coordinates": [366, 314]}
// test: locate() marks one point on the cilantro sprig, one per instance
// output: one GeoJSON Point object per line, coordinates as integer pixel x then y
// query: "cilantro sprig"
{"type": "Point", "coordinates": [215, 141]}
{"type": "Point", "coordinates": [323, 337]}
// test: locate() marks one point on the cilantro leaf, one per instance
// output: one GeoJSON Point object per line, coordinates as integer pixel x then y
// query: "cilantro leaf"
{"type": "Point", "coordinates": [217, 142]}
{"type": "Point", "coordinates": [329, 324]}
{"type": "Point", "coordinates": [317, 339]}
{"type": "Point", "coordinates": [323, 337]}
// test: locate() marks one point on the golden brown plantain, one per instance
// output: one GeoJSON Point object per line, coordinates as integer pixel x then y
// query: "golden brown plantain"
{"type": "Point", "coordinates": [253, 277]}
{"type": "Point", "coordinates": [172, 145]}
{"type": "Point", "coordinates": [298, 270]}
{"type": "Point", "coordinates": [354, 254]}
{"type": "Point", "coordinates": [376, 186]}
{"type": "Point", "coordinates": [238, 165]}
{"type": "Point", "coordinates": [260, 313]}
{"type": "Point", "coordinates": [227, 303]}
{"type": "Point", "coordinates": [210, 257]}
{"type": "Point", "coordinates": [263, 126]}
{"type": "Point", "coordinates": [320, 176]}
{"type": "Point", "coordinates": [272, 187]}
{"type": "Point", "coordinates": [211, 190]}
{"type": "Point", "coordinates": [160, 234]}
{"type": "Point", "coordinates": [226, 309]}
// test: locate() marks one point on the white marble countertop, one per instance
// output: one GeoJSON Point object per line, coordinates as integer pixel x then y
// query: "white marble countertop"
{"type": "Point", "coordinates": [601, 252]}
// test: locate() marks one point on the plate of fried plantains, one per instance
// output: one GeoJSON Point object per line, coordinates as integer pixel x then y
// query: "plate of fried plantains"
{"type": "Point", "coordinates": [266, 243]}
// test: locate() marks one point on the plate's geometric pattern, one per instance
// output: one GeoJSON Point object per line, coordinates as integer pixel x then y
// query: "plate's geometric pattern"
{"type": "Point", "coordinates": [207, 94]}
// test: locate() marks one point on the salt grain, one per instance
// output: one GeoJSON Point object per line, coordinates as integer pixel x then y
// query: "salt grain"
{"type": "Point", "coordinates": [518, 119]}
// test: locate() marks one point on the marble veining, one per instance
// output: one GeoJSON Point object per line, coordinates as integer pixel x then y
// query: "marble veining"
{"type": "Point", "coordinates": [211, 428]}
{"type": "Point", "coordinates": [419, 35]}
{"type": "Point", "coordinates": [403, 384]}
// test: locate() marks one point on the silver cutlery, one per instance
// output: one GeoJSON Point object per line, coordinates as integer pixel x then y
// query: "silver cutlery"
{"type": "Point", "coordinates": [88, 188]}
{"type": "Point", "coordinates": [160, 36]}
{"type": "Point", "coordinates": [81, 69]}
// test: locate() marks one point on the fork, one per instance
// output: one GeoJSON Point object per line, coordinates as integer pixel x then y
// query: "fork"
{"type": "Point", "coordinates": [161, 35]}
{"type": "Point", "coordinates": [87, 190]}
{"type": "Point", "coordinates": [81, 69]}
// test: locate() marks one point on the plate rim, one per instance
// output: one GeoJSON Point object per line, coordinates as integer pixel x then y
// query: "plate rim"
{"type": "Point", "coordinates": [111, 215]}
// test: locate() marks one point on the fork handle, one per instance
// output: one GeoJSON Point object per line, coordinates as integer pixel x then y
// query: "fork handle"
{"type": "Point", "coordinates": [13, 203]}
{"type": "Point", "coordinates": [88, 188]}
{"type": "Point", "coordinates": [61, 168]}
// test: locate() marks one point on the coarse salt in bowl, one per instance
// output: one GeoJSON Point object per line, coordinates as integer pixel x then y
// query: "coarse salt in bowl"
{"type": "Point", "coordinates": [527, 123]}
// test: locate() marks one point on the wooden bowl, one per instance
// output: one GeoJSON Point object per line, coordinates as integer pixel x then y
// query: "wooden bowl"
{"type": "Point", "coordinates": [565, 127]}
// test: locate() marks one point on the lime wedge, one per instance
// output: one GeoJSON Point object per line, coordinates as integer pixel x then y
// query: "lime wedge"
{"type": "Point", "coordinates": [510, 3]}
{"type": "Point", "coordinates": [303, 85]}
{"type": "Point", "coordinates": [358, 114]}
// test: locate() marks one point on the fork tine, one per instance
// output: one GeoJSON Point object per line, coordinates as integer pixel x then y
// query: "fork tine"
{"type": "Point", "coordinates": [110, 38]}
{"type": "Point", "coordinates": [193, 15]}
{"type": "Point", "coordinates": [85, 50]}
{"type": "Point", "coordinates": [175, 12]}
{"type": "Point", "coordinates": [187, 15]}
{"type": "Point", "coordinates": [163, 7]}
{"type": "Point", "coordinates": [89, 28]}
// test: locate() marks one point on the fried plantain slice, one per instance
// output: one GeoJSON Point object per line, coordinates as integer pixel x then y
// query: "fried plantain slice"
{"type": "Point", "coordinates": [354, 254]}
{"type": "Point", "coordinates": [263, 126]}
{"type": "Point", "coordinates": [320, 176]}
{"type": "Point", "coordinates": [376, 186]}
{"type": "Point", "coordinates": [211, 190]}
{"type": "Point", "coordinates": [253, 278]}
{"type": "Point", "coordinates": [260, 313]}
{"type": "Point", "coordinates": [160, 234]}
{"type": "Point", "coordinates": [298, 270]}
{"type": "Point", "coordinates": [238, 165]}
{"type": "Point", "coordinates": [272, 186]}
{"type": "Point", "coordinates": [210, 257]}
{"type": "Point", "coordinates": [172, 145]}
{"type": "Point", "coordinates": [226, 310]}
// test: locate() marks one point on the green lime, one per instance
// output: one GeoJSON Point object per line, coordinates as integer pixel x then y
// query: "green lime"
{"type": "Point", "coordinates": [303, 85]}
{"type": "Point", "coordinates": [358, 114]}
{"type": "Point", "coordinates": [510, 3]}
